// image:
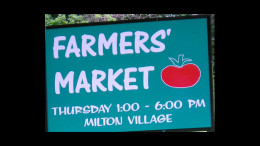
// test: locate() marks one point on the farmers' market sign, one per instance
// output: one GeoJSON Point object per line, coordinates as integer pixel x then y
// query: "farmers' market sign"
{"type": "Point", "coordinates": [129, 76]}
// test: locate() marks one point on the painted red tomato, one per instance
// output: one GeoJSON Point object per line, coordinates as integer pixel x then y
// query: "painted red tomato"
{"type": "Point", "coordinates": [181, 76]}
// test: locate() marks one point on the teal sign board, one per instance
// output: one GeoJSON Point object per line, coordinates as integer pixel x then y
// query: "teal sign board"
{"type": "Point", "coordinates": [129, 76]}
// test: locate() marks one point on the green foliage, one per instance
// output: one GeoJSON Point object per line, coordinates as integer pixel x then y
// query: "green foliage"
{"type": "Point", "coordinates": [109, 17]}
{"type": "Point", "coordinates": [48, 19]}
{"type": "Point", "coordinates": [62, 19]}
{"type": "Point", "coordinates": [184, 14]}
{"type": "Point", "coordinates": [75, 19]}
{"type": "Point", "coordinates": [127, 16]}
{"type": "Point", "coordinates": [97, 16]}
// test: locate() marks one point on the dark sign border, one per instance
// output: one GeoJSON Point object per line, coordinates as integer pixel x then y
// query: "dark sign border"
{"type": "Point", "coordinates": [209, 129]}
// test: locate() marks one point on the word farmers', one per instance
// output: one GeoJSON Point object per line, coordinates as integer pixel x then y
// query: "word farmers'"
{"type": "Point", "coordinates": [98, 76]}
{"type": "Point", "coordinates": [88, 42]}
